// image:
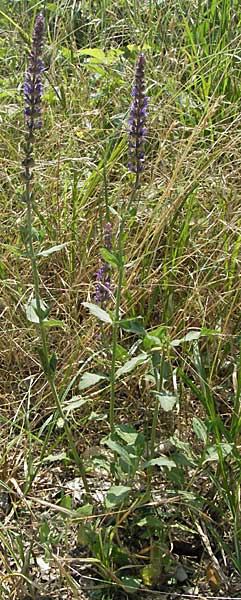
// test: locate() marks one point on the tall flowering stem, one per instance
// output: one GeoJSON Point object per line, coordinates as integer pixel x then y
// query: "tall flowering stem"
{"type": "Point", "coordinates": [33, 98]}
{"type": "Point", "coordinates": [137, 133]}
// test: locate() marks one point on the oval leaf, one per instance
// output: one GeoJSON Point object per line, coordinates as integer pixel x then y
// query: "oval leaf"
{"type": "Point", "coordinates": [96, 53]}
{"type": "Point", "coordinates": [116, 495]}
{"type": "Point", "coordinates": [89, 379]}
{"type": "Point", "coordinates": [193, 334]}
{"type": "Point", "coordinates": [200, 429]}
{"type": "Point", "coordinates": [130, 584]}
{"type": "Point", "coordinates": [212, 452]}
{"type": "Point", "coordinates": [75, 403]}
{"type": "Point", "coordinates": [130, 365]}
{"type": "Point", "coordinates": [52, 250]}
{"type": "Point", "coordinates": [98, 312]}
{"type": "Point", "coordinates": [31, 311]}
{"type": "Point", "coordinates": [133, 325]}
{"type": "Point", "coordinates": [167, 401]}
{"type": "Point", "coordinates": [110, 258]}
{"type": "Point", "coordinates": [162, 461]}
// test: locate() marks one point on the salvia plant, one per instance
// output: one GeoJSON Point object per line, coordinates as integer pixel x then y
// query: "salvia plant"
{"type": "Point", "coordinates": [37, 310]}
{"type": "Point", "coordinates": [137, 134]}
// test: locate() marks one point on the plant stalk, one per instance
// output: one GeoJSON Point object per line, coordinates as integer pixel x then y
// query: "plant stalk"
{"type": "Point", "coordinates": [42, 333]}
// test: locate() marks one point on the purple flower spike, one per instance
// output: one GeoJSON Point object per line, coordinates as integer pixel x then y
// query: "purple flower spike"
{"type": "Point", "coordinates": [33, 85]}
{"type": "Point", "coordinates": [103, 275]}
{"type": "Point", "coordinates": [137, 119]}
{"type": "Point", "coordinates": [33, 95]}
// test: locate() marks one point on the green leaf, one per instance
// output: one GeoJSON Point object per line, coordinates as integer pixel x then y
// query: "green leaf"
{"type": "Point", "coordinates": [127, 433]}
{"type": "Point", "coordinates": [12, 249]}
{"type": "Point", "coordinates": [86, 536]}
{"type": "Point", "coordinates": [167, 401]}
{"type": "Point", "coordinates": [116, 495]}
{"type": "Point", "coordinates": [51, 250]}
{"type": "Point", "coordinates": [95, 53]}
{"type": "Point", "coordinates": [151, 341]}
{"type": "Point", "coordinates": [130, 584]}
{"type": "Point", "coordinates": [84, 511]}
{"type": "Point", "coordinates": [53, 323]}
{"type": "Point", "coordinates": [55, 457]}
{"type": "Point", "coordinates": [118, 449]}
{"type": "Point", "coordinates": [183, 446]}
{"type": "Point", "coordinates": [32, 314]}
{"type": "Point", "coordinates": [2, 270]}
{"type": "Point", "coordinates": [110, 258]}
{"type": "Point", "coordinates": [213, 455]}
{"type": "Point", "coordinates": [98, 312]}
{"type": "Point", "coordinates": [94, 416]}
{"type": "Point", "coordinates": [200, 429]}
{"type": "Point", "coordinates": [67, 53]}
{"type": "Point", "coordinates": [112, 55]}
{"type": "Point", "coordinates": [66, 502]}
{"type": "Point", "coordinates": [24, 233]}
{"type": "Point", "coordinates": [75, 403]}
{"type": "Point", "coordinates": [155, 337]}
{"type": "Point", "coordinates": [96, 68]}
{"type": "Point", "coordinates": [150, 522]}
{"type": "Point", "coordinates": [131, 364]}
{"type": "Point", "coordinates": [53, 363]}
{"type": "Point", "coordinates": [211, 332]}
{"type": "Point", "coordinates": [119, 556]}
{"type": "Point", "coordinates": [101, 463]}
{"type": "Point", "coordinates": [147, 575]}
{"type": "Point", "coordinates": [189, 337]}
{"type": "Point", "coordinates": [43, 359]}
{"type": "Point", "coordinates": [162, 461]}
{"type": "Point", "coordinates": [133, 325]}
{"type": "Point", "coordinates": [121, 352]}
{"type": "Point", "coordinates": [89, 379]}
{"type": "Point", "coordinates": [51, 6]}
{"type": "Point", "coordinates": [183, 459]}
{"type": "Point", "coordinates": [44, 531]}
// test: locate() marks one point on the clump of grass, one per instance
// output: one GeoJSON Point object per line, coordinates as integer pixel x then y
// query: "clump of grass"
{"type": "Point", "coordinates": [149, 400]}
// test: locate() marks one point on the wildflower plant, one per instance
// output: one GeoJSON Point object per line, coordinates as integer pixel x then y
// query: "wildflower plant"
{"type": "Point", "coordinates": [137, 133]}
{"type": "Point", "coordinates": [37, 310]}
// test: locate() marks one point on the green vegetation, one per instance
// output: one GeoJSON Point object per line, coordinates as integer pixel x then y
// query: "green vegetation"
{"type": "Point", "coordinates": [120, 463]}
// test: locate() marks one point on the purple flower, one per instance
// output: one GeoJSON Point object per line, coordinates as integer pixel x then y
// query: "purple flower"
{"type": "Point", "coordinates": [33, 85]}
{"type": "Point", "coordinates": [137, 119]}
{"type": "Point", "coordinates": [103, 275]}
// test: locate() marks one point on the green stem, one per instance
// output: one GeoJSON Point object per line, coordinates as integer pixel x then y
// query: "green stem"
{"type": "Point", "coordinates": [154, 426]}
{"type": "Point", "coordinates": [77, 458]}
{"type": "Point", "coordinates": [115, 329]}
{"type": "Point", "coordinates": [158, 372]}
{"type": "Point", "coordinates": [42, 334]}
